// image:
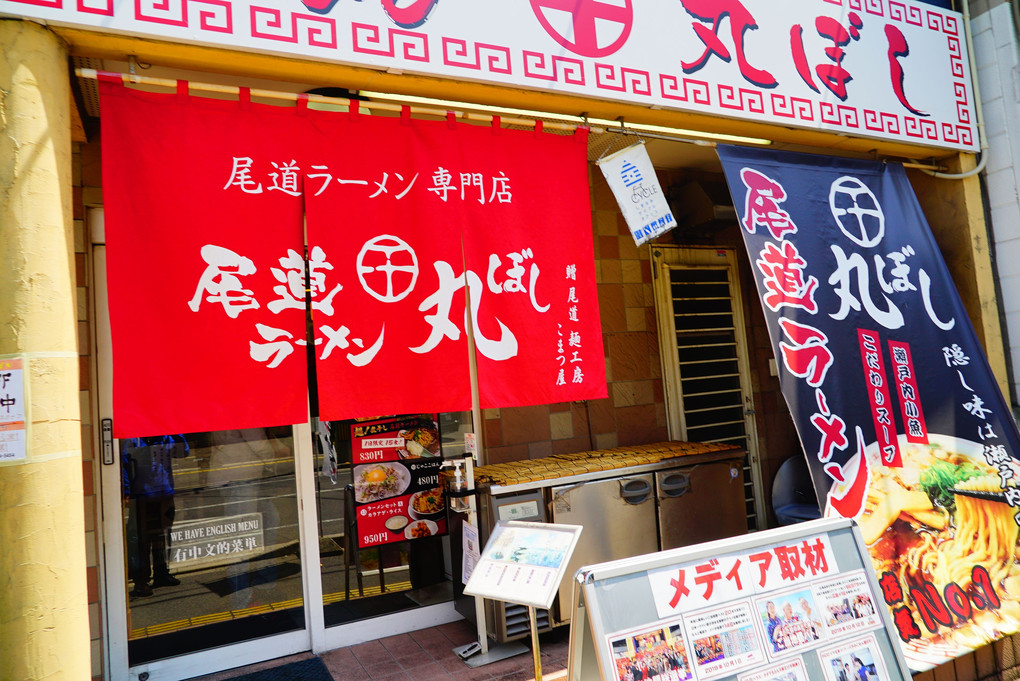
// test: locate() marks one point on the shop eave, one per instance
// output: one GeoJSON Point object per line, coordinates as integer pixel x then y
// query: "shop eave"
{"type": "Point", "coordinates": [291, 73]}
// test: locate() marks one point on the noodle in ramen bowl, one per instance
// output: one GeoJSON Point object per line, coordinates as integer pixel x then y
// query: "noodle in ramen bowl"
{"type": "Point", "coordinates": [421, 442]}
{"type": "Point", "coordinates": [428, 504]}
{"type": "Point", "coordinates": [376, 481]}
{"type": "Point", "coordinates": [932, 521]}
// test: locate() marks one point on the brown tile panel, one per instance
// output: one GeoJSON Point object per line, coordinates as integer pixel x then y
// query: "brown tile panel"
{"type": "Point", "coordinates": [628, 249]}
{"type": "Point", "coordinates": [630, 356]}
{"type": "Point", "coordinates": [637, 425]}
{"type": "Point", "coordinates": [84, 380]}
{"type": "Point", "coordinates": [504, 454]}
{"type": "Point", "coordinates": [540, 450]}
{"type": "Point", "coordinates": [609, 248]}
{"type": "Point", "coordinates": [493, 433]}
{"type": "Point", "coordinates": [574, 444]}
{"type": "Point", "coordinates": [579, 415]}
{"type": "Point", "coordinates": [80, 270]}
{"type": "Point", "coordinates": [87, 479]}
{"type": "Point", "coordinates": [92, 582]}
{"type": "Point", "coordinates": [78, 208]}
{"type": "Point", "coordinates": [612, 308]}
{"type": "Point", "coordinates": [611, 270]}
{"type": "Point", "coordinates": [603, 415]}
{"type": "Point", "coordinates": [525, 424]}
{"type": "Point", "coordinates": [634, 295]}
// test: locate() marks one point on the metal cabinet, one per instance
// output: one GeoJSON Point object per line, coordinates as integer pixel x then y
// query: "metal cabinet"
{"type": "Point", "coordinates": [700, 503]}
{"type": "Point", "coordinates": [618, 516]}
{"type": "Point", "coordinates": [693, 493]}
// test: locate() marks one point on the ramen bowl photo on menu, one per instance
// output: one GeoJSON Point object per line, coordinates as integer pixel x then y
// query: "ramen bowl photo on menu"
{"type": "Point", "coordinates": [379, 481]}
{"type": "Point", "coordinates": [421, 442]}
{"type": "Point", "coordinates": [942, 537]}
{"type": "Point", "coordinates": [428, 504]}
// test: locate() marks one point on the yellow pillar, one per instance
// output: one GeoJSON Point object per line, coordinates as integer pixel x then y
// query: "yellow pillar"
{"type": "Point", "coordinates": [44, 624]}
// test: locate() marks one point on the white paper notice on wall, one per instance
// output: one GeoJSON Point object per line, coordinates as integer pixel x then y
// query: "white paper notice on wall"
{"type": "Point", "coordinates": [13, 445]}
{"type": "Point", "coordinates": [630, 175]}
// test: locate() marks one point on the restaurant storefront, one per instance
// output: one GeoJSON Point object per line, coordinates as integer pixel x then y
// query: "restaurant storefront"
{"type": "Point", "coordinates": [230, 521]}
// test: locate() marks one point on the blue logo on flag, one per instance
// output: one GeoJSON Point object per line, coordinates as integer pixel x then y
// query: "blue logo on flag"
{"type": "Point", "coordinates": [630, 174]}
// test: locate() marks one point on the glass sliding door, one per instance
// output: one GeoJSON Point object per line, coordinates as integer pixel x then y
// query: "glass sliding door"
{"type": "Point", "coordinates": [202, 549]}
{"type": "Point", "coordinates": [211, 540]}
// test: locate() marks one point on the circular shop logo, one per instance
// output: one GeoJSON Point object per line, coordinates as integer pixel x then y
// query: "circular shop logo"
{"type": "Point", "coordinates": [590, 28]}
{"type": "Point", "coordinates": [387, 268]}
{"type": "Point", "coordinates": [857, 211]}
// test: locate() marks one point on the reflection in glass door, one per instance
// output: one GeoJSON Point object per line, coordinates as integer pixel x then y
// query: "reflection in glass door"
{"type": "Point", "coordinates": [403, 571]}
{"type": "Point", "coordinates": [201, 537]}
{"type": "Point", "coordinates": [211, 540]}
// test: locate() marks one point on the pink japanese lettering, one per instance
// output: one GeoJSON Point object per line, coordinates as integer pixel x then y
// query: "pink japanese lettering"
{"type": "Point", "coordinates": [761, 206]}
{"type": "Point", "coordinates": [713, 12]}
{"type": "Point", "coordinates": [808, 355]}
{"type": "Point", "coordinates": [782, 268]}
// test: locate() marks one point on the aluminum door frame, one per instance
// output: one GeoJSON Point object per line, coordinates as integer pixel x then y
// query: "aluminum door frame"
{"type": "Point", "coordinates": [315, 637]}
{"type": "Point", "coordinates": [667, 257]}
{"type": "Point", "coordinates": [110, 530]}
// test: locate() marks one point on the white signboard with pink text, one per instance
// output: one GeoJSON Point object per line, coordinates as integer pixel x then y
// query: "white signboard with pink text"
{"type": "Point", "coordinates": [890, 69]}
{"type": "Point", "coordinates": [789, 604]}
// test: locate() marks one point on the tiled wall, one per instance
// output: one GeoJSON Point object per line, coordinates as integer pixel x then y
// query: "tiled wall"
{"type": "Point", "coordinates": [86, 180]}
{"type": "Point", "coordinates": [634, 412]}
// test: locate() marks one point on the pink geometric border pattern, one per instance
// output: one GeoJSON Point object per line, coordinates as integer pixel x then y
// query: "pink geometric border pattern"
{"type": "Point", "coordinates": [52, 4]}
{"type": "Point", "coordinates": [218, 16]}
{"type": "Point", "coordinates": [881, 121]}
{"type": "Point", "coordinates": [606, 78]}
{"type": "Point", "coordinates": [899, 11]}
{"type": "Point", "coordinates": [955, 57]}
{"type": "Point", "coordinates": [869, 6]}
{"type": "Point", "coordinates": [693, 91]}
{"type": "Point", "coordinates": [837, 114]}
{"type": "Point", "coordinates": [872, 7]}
{"type": "Point", "coordinates": [456, 53]}
{"type": "Point", "coordinates": [550, 67]}
{"type": "Point", "coordinates": [792, 107]}
{"type": "Point", "coordinates": [956, 133]}
{"type": "Point", "coordinates": [906, 13]}
{"type": "Point", "coordinates": [103, 7]}
{"type": "Point", "coordinates": [741, 99]}
{"type": "Point", "coordinates": [962, 112]}
{"type": "Point", "coordinates": [920, 128]}
{"type": "Point", "coordinates": [268, 23]}
{"type": "Point", "coordinates": [413, 46]}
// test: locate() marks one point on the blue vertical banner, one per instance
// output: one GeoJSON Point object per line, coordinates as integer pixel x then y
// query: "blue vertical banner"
{"type": "Point", "coordinates": [900, 417]}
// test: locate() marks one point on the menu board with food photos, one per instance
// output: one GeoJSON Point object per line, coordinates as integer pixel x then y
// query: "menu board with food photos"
{"type": "Point", "coordinates": [397, 490]}
{"type": "Point", "coordinates": [789, 604]}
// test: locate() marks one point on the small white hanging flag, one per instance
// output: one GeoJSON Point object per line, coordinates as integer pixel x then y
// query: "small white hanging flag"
{"type": "Point", "coordinates": [630, 175]}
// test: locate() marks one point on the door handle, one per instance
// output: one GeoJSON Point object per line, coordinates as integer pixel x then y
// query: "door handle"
{"type": "Point", "coordinates": [107, 431]}
{"type": "Point", "coordinates": [635, 491]}
{"type": "Point", "coordinates": [675, 484]}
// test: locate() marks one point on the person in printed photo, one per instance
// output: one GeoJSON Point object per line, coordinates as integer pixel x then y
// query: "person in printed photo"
{"type": "Point", "coordinates": [816, 626]}
{"type": "Point", "coordinates": [772, 622]}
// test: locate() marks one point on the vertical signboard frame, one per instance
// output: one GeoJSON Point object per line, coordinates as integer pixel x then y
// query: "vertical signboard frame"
{"type": "Point", "coordinates": [597, 616]}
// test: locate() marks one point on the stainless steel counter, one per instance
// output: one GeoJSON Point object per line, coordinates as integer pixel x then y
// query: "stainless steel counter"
{"type": "Point", "coordinates": [630, 501]}
{"type": "Point", "coordinates": [580, 478]}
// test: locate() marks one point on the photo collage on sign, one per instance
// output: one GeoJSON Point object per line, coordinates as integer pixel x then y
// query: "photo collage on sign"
{"type": "Point", "coordinates": [752, 625]}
